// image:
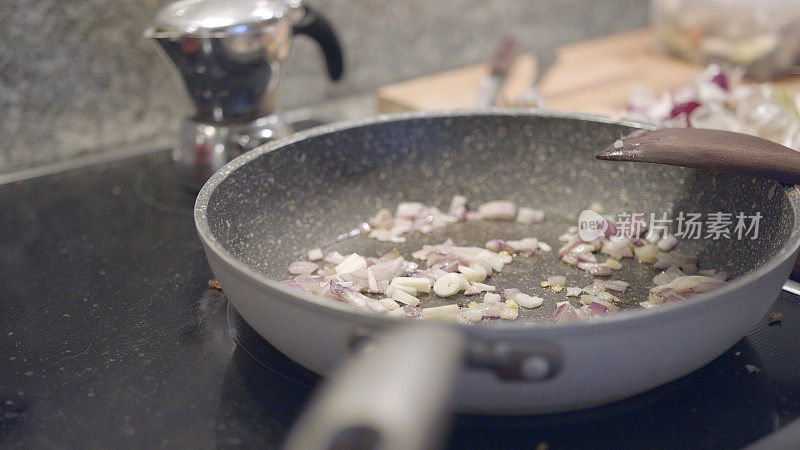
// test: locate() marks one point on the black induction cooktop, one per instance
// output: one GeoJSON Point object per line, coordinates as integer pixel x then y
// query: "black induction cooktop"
{"type": "Point", "coordinates": [110, 336]}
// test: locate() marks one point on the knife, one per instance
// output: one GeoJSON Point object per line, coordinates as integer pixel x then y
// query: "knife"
{"type": "Point", "coordinates": [532, 98]}
{"type": "Point", "coordinates": [503, 59]}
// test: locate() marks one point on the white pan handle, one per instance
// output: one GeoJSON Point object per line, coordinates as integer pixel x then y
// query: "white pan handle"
{"type": "Point", "coordinates": [393, 394]}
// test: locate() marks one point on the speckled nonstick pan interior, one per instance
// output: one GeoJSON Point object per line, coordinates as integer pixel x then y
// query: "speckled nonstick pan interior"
{"type": "Point", "coordinates": [270, 206]}
{"type": "Point", "coordinates": [271, 211]}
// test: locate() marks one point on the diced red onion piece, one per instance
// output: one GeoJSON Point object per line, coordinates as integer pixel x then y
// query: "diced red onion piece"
{"type": "Point", "coordinates": [388, 269]}
{"type": "Point", "coordinates": [688, 285]}
{"type": "Point", "coordinates": [472, 216]}
{"type": "Point", "coordinates": [596, 308]}
{"type": "Point", "coordinates": [447, 266]}
{"type": "Point", "coordinates": [472, 315]}
{"type": "Point", "coordinates": [720, 80]}
{"type": "Point", "coordinates": [573, 291]}
{"type": "Point", "coordinates": [295, 285]}
{"type": "Point", "coordinates": [472, 290]}
{"type": "Point", "coordinates": [492, 298]}
{"type": "Point", "coordinates": [490, 310]}
{"type": "Point", "coordinates": [529, 215]}
{"type": "Point", "coordinates": [374, 305]}
{"type": "Point", "coordinates": [616, 285]}
{"type": "Point", "coordinates": [458, 207]}
{"type": "Point", "coordinates": [346, 295]}
{"type": "Point", "coordinates": [595, 269]}
{"type": "Point", "coordinates": [499, 245]}
{"type": "Point", "coordinates": [565, 312]}
{"type": "Point", "coordinates": [594, 288]}
{"type": "Point", "coordinates": [683, 108]}
{"type": "Point", "coordinates": [567, 237]}
{"type": "Point", "coordinates": [498, 210]}
{"type": "Point", "coordinates": [570, 258]}
{"type": "Point", "coordinates": [315, 254]}
{"type": "Point", "coordinates": [314, 285]}
{"type": "Point", "coordinates": [617, 247]}
{"type": "Point", "coordinates": [302, 267]}
{"type": "Point", "coordinates": [568, 247]}
{"type": "Point", "coordinates": [585, 257]}
{"type": "Point", "coordinates": [557, 280]}
{"type": "Point", "coordinates": [411, 210]}
{"type": "Point", "coordinates": [334, 258]}
{"type": "Point", "coordinates": [528, 301]}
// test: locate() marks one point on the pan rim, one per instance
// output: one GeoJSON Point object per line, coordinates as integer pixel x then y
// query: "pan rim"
{"type": "Point", "coordinates": [628, 318]}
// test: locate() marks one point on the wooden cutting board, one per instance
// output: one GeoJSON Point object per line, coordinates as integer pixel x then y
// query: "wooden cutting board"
{"type": "Point", "coordinates": [595, 76]}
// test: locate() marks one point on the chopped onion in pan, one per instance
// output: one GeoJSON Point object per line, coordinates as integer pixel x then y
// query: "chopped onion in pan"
{"type": "Point", "coordinates": [302, 267]}
{"type": "Point", "coordinates": [498, 210]}
{"type": "Point", "coordinates": [452, 269]}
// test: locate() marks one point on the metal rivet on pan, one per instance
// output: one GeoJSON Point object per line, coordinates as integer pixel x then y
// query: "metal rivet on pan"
{"type": "Point", "coordinates": [517, 361]}
{"type": "Point", "coordinates": [535, 368]}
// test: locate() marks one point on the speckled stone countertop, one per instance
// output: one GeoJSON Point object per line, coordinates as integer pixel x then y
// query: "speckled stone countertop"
{"type": "Point", "coordinates": [79, 78]}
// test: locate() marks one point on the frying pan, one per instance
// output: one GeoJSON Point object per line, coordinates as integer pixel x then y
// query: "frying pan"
{"type": "Point", "coordinates": [270, 206]}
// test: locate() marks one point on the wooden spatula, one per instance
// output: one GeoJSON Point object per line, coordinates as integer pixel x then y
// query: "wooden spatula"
{"type": "Point", "coordinates": [722, 151]}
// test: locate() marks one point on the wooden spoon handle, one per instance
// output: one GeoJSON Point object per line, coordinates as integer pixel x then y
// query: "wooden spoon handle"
{"type": "Point", "coordinates": [723, 151]}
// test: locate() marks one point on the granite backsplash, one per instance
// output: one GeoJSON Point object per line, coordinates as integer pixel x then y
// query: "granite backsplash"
{"type": "Point", "coordinates": [78, 77]}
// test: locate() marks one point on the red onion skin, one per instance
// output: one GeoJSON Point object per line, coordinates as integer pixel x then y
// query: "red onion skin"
{"type": "Point", "coordinates": [346, 295]}
{"type": "Point", "coordinates": [568, 247]}
{"type": "Point", "coordinates": [683, 108]}
{"type": "Point", "coordinates": [431, 274]}
{"type": "Point", "coordinates": [611, 230]}
{"type": "Point", "coordinates": [490, 311]}
{"type": "Point", "coordinates": [570, 258]}
{"type": "Point", "coordinates": [721, 80]}
{"type": "Point", "coordinates": [295, 285]}
{"type": "Point", "coordinates": [600, 271]}
{"type": "Point", "coordinates": [669, 295]}
{"type": "Point", "coordinates": [447, 266]}
{"type": "Point", "coordinates": [595, 269]}
{"type": "Point", "coordinates": [616, 285]}
{"type": "Point", "coordinates": [499, 245]}
{"type": "Point", "coordinates": [564, 313]}
{"type": "Point", "coordinates": [596, 308]}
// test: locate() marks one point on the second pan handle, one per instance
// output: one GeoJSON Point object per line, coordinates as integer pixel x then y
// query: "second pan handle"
{"type": "Point", "coordinates": [394, 394]}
